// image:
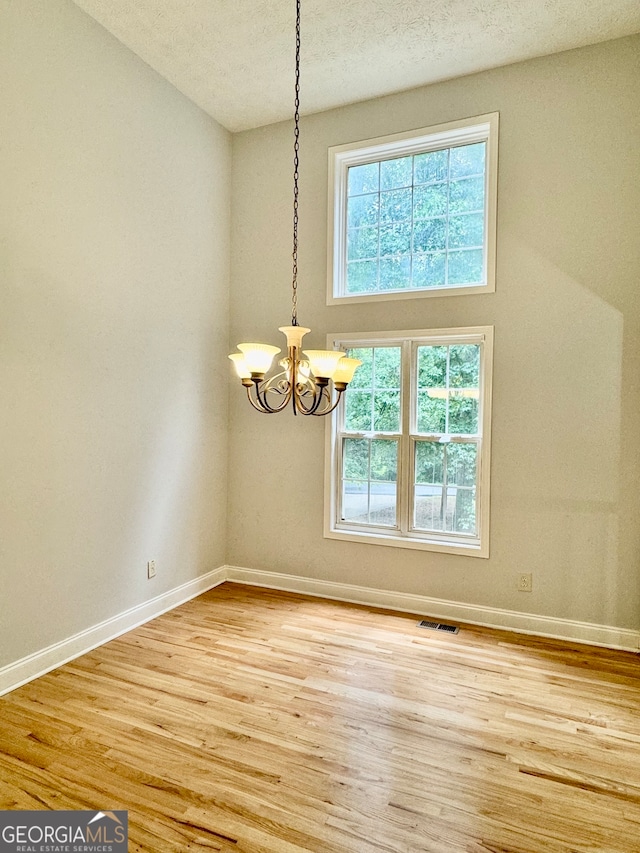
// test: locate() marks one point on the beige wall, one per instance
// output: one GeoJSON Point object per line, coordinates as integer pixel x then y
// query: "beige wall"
{"type": "Point", "coordinates": [114, 269]}
{"type": "Point", "coordinates": [566, 438]}
{"type": "Point", "coordinates": [113, 322]}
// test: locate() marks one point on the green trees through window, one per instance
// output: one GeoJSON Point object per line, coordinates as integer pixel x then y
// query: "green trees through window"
{"type": "Point", "coordinates": [416, 221]}
{"type": "Point", "coordinates": [371, 465]}
{"type": "Point", "coordinates": [414, 213]}
{"type": "Point", "coordinates": [410, 438]}
{"type": "Point", "coordinates": [447, 393]}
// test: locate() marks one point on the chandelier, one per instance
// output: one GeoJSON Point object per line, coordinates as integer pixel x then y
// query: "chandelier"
{"type": "Point", "coordinates": [303, 383]}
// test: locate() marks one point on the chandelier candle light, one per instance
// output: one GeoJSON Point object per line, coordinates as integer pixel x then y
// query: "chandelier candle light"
{"type": "Point", "coordinates": [303, 382]}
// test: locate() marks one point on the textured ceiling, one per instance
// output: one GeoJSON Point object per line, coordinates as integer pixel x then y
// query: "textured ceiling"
{"type": "Point", "coordinates": [234, 58]}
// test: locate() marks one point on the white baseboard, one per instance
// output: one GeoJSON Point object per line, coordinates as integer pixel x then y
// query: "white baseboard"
{"type": "Point", "coordinates": [30, 667]}
{"type": "Point", "coordinates": [24, 670]}
{"type": "Point", "coordinates": [488, 617]}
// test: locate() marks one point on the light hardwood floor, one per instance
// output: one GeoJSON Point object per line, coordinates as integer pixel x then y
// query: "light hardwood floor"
{"type": "Point", "coordinates": [263, 722]}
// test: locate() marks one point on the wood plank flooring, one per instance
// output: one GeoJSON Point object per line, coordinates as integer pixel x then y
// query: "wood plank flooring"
{"type": "Point", "coordinates": [256, 721]}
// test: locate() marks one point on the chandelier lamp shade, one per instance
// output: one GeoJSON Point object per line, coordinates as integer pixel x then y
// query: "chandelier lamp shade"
{"type": "Point", "coordinates": [303, 382]}
{"type": "Point", "coordinates": [306, 379]}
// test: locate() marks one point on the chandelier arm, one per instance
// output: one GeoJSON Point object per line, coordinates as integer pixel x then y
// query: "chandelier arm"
{"type": "Point", "coordinates": [322, 395]}
{"type": "Point", "coordinates": [331, 408]}
{"type": "Point", "coordinates": [296, 393]}
{"type": "Point", "coordinates": [306, 410]}
{"type": "Point", "coordinates": [275, 385]}
{"type": "Point", "coordinates": [319, 394]}
{"type": "Point", "coordinates": [256, 406]}
{"type": "Point", "coordinates": [261, 397]}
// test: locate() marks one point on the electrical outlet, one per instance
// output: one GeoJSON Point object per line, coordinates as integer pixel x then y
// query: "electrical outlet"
{"type": "Point", "coordinates": [151, 569]}
{"type": "Point", "coordinates": [525, 582]}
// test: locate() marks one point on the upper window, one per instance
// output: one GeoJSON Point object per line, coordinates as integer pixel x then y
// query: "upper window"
{"type": "Point", "coordinates": [408, 455]}
{"type": "Point", "coordinates": [414, 213]}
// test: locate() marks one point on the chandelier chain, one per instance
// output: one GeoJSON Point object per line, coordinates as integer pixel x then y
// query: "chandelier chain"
{"type": "Point", "coordinates": [304, 383]}
{"type": "Point", "coordinates": [296, 164]}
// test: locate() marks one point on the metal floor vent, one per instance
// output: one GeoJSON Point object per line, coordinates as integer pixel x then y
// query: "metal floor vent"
{"type": "Point", "coordinates": [439, 626]}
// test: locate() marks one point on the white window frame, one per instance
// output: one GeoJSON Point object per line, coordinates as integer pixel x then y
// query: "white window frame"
{"type": "Point", "coordinates": [403, 536]}
{"type": "Point", "coordinates": [482, 128]}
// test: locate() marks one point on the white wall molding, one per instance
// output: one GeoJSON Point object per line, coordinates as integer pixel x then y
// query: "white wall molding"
{"type": "Point", "coordinates": [26, 669]}
{"type": "Point", "coordinates": [30, 667]}
{"type": "Point", "coordinates": [488, 617]}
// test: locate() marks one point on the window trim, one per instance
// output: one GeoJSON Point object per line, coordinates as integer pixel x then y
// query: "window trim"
{"type": "Point", "coordinates": [439, 542]}
{"type": "Point", "coordinates": [341, 157]}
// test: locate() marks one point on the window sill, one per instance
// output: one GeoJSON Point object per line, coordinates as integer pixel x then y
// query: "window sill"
{"type": "Point", "coordinates": [408, 293]}
{"type": "Point", "coordinates": [473, 548]}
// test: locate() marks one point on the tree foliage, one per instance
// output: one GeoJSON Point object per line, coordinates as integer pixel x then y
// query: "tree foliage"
{"type": "Point", "coordinates": [416, 221]}
{"type": "Point", "coordinates": [447, 394]}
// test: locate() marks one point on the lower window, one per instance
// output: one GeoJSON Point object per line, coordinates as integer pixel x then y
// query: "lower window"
{"type": "Point", "coordinates": [408, 446]}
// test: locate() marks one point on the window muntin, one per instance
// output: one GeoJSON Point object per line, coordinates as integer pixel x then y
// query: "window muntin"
{"type": "Point", "coordinates": [414, 214]}
{"type": "Point", "coordinates": [374, 401]}
{"type": "Point", "coordinates": [446, 458]}
{"type": "Point", "coordinates": [417, 474]}
{"type": "Point", "coordinates": [416, 221]}
{"type": "Point", "coordinates": [447, 392]}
